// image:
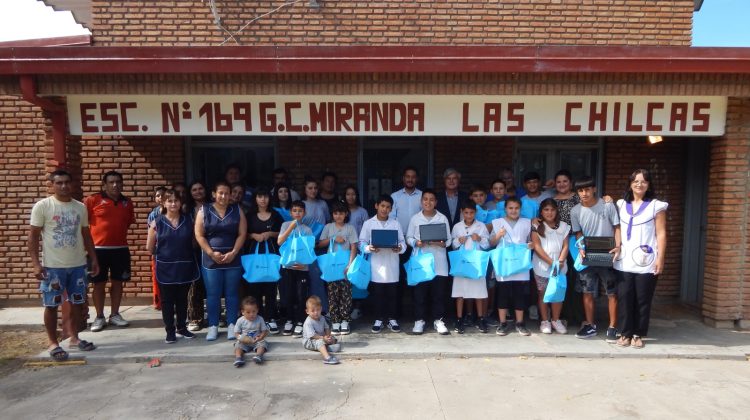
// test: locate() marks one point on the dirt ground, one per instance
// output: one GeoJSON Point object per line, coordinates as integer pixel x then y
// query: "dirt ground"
{"type": "Point", "coordinates": [17, 344]}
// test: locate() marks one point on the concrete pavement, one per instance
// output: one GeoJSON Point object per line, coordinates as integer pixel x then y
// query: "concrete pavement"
{"type": "Point", "coordinates": [674, 334]}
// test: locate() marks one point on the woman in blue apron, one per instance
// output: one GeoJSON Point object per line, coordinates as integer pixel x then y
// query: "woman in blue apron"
{"type": "Point", "coordinates": [220, 229]}
{"type": "Point", "coordinates": [170, 240]}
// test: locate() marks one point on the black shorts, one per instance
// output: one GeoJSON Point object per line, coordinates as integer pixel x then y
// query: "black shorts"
{"type": "Point", "coordinates": [114, 263]}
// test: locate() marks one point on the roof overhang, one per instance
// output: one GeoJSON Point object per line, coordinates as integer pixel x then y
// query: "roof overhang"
{"type": "Point", "coordinates": [372, 59]}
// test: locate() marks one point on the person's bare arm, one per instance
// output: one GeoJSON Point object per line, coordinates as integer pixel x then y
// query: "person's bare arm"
{"type": "Point", "coordinates": [35, 233]}
{"type": "Point", "coordinates": [661, 241]}
{"type": "Point", "coordinates": [88, 243]}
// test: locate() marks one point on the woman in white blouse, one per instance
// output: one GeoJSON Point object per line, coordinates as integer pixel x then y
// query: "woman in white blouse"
{"type": "Point", "coordinates": [643, 230]}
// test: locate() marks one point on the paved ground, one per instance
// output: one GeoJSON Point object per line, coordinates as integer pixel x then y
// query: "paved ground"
{"type": "Point", "coordinates": [541, 388]}
{"type": "Point", "coordinates": [673, 335]}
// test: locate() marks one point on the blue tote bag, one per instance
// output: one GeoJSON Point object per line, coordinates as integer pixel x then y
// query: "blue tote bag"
{"type": "Point", "coordinates": [578, 257]}
{"type": "Point", "coordinates": [284, 213]}
{"type": "Point", "coordinates": [359, 272]}
{"type": "Point", "coordinates": [556, 286]}
{"type": "Point", "coordinates": [509, 259]}
{"type": "Point", "coordinates": [317, 229]}
{"type": "Point", "coordinates": [468, 263]}
{"type": "Point", "coordinates": [261, 268]}
{"type": "Point", "coordinates": [420, 267]}
{"type": "Point", "coordinates": [333, 263]}
{"type": "Point", "coordinates": [298, 249]}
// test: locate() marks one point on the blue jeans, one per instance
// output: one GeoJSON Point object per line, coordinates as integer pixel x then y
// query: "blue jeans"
{"type": "Point", "coordinates": [222, 282]}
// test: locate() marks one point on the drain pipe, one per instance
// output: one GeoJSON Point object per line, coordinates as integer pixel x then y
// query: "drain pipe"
{"type": "Point", "coordinates": [56, 113]}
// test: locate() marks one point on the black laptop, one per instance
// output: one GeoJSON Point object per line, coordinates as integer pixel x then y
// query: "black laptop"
{"type": "Point", "coordinates": [433, 233]}
{"type": "Point", "coordinates": [384, 238]}
{"type": "Point", "coordinates": [597, 251]}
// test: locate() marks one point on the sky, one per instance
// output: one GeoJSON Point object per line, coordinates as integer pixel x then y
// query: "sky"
{"type": "Point", "coordinates": [722, 23]}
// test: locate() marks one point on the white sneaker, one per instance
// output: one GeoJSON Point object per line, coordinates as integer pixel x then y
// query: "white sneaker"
{"type": "Point", "coordinates": [297, 333]}
{"type": "Point", "coordinates": [118, 321]}
{"type": "Point", "coordinates": [356, 314]}
{"type": "Point", "coordinates": [545, 327]}
{"type": "Point", "coordinates": [273, 328]}
{"type": "Point", "coordinates": [98, 324]}
{"type": "Point", "coordinates": [533, 312]}
{"type": "Point", "coordinates": [288, 327]}
{"type": "Point", "coordinates": [212, 334]}
{"type": "Point", "coordinates": [336, 328]}
{"type": "Point", "coordinates": [440, 327]}
{"type": "Point", "coordinates": [418, 327]}
{"type": "Point", "coordinates": [559, 327]}
{"type": "Point", "coordinates": [393, 326]}
{"type": "Point", "coordinates": [345, 329]}
{"type": "Point", "coordinates": [230, 332]}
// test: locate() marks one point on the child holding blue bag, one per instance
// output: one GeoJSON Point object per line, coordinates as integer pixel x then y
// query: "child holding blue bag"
{"type": "Point", "coordinates": [437, 287]}
{"type": "Point", "coordinates": [469, 233]}
{"type": "Point", "coordinates": [295, 279]}
{"type": "Point", "coordinates": [512, 229]}
{"type": "Point", "coordinates": [550, 239]}
{"type": "Point", "coordinates": [339, 291]}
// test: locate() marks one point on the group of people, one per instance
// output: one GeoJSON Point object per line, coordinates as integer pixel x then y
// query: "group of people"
{"type": "Point", "coordinates": [197, 242]}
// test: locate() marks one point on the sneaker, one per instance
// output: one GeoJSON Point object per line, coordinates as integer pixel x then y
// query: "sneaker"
{"type": "Point", "coordinates": [502, 329]}
{"type": "Point", "coordinates": [118, 321]}
{"type": "Point", "coordinates": [194, 326]}
{"type": "Point", "coordinates": [586, 331]}
{"type": "Point", "coordinates": [185, 334]}
{"type": "Point", "coordinates": [336, 328]}
{"type": "Point", "coordinates": [440, 327]}
{"type": "Point", "coordinates": [258, 360]}
{"type": "Point", "coordinates": [171, 338]}
{"type": "Point", "coordinates": [212, 334]}
{"type": "Point", "coordinates": [393, 326]}
{"type": "Point", "coordinates": [533, 312]}
{"type": "Point", "coordinates": [612, 335]}
{"type": "Point", "coordinates": [288, 327]}
{"type": "Point", "coordinates": [482, 325]}
{"type": "Point", "coordinates": [521, 328]}
{"type": "Point", "coordinates": [356, 314]}
{"type": "Point", "coordinates": [98, 324]}
{"type": "Point", "coordinates": [559, 327]}
{"type": "Point", "coordinates": [418, 327]}
{"type": "Point", "coordinates": [377, 326]}
{"type": "Point", "coordinates": [238, 362]}
{"type": "Point", "coordinates": [545, 327]}
{"type": "Point", "coordinates": [491, 321]}
{"type": "Point", "coordinates": [297, 333]}
{"type": "Point", "coordinates": [273, 328]}
{"type": "Point", "coordinates": [230, 332]}
{"type": "Point", "coordinates": [331, 360]}
{"type": "Point", "coordinates": [345, 329]}
{"type": "Point", "coordinates": [458, 326]}
{"type": "Point", "coordinates": [469, 320]}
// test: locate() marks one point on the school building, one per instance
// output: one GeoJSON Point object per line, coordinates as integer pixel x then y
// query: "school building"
{"type": "Point", "coordinates": [168, 91]}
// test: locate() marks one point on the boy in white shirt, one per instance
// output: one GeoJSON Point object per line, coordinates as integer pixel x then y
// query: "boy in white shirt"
{"type": "Point", "coordinates": [436, 287]}
{"type": "Point", "coordinates": [384, 264]}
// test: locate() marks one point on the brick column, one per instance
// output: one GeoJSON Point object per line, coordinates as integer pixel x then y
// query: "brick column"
{"type": "Point", "coordinates": [725, 282]}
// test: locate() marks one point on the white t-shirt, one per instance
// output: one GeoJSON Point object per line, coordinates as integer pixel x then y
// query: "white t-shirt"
{"type": "Point", "coordinates": [639, 251]}
{"type": "Point", "coordinates": [412, 236]}
{"type": "Point", "coordinates": [384, 264]}
{"type": "Point", "coordinates": [552, 243]}
{"type": "Point", "coordinates": [61, 223]}
{"type": "Point", "coordinates": [518, 234]}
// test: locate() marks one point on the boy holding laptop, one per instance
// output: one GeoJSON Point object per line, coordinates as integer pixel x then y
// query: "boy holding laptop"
{"type": "Point", "coordinates": [428, 231]}
{"type": "Point", "coordinates": [593, 217]}
{"type": "Point", "coordinates": [384, 248]}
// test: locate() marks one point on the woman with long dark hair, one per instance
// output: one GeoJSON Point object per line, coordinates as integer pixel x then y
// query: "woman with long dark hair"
{"type": "Point", "coordinates": [643, 229]}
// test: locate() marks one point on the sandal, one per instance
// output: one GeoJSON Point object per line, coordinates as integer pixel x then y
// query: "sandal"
{"type": "Point", "coordinates": [83, 345]}
{"type": "Point", "coordinates": [637, 342]}
{"type": "Point", "coordinates": [58, 354]}
{"type": "Point", "coordinates": [623, 341]}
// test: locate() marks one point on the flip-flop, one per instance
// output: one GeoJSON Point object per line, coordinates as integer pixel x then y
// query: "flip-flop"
{"type": "Point", "coordinates": [58, 354]}
{"type": "Point", "coordinates": [84, 345]}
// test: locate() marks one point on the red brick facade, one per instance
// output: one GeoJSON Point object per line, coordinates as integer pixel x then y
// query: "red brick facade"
{"type": "Point", "coordinates": [25, 139]}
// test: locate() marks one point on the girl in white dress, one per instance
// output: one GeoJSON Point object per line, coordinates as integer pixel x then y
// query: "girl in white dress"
{"type": "Point", "coordinates": [550, 239]}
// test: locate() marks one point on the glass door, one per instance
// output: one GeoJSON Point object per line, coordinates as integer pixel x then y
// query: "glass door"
{"type": "Point", "coordinates": [208, 158]}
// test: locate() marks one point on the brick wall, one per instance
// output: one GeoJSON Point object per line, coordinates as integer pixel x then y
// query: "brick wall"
{"type": "Point", "coordinates": [396, 22]}
{"type": "Point", "coordinates": [24, 148]}
{"type": "Point", "coordinates": [726, 292]}
{"type": "Point", "coordinates": [665, 161]}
